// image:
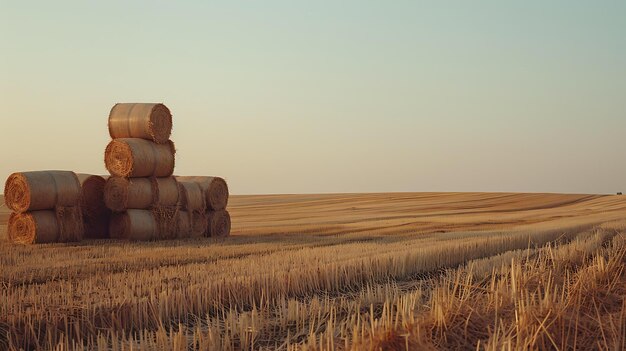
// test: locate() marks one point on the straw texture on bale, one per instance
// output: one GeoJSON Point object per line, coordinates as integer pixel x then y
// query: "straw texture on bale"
{"type": "Point", "coordinates": [218, 223]}
{"type": "Point", "coordinates": [215, 191]}
{"type": "Point", "coordinates": [134, 157]}
{"type": "Point", "coordinates": [167, 191]}
{"type": "Point", "coordinates": [121, 194]}
{"type": "Point", "coordinates": [166, 219]}
{"type": "Point", "coordinates": [133, 225]}
{"type": "Point", "coordinates": [140, 120]}
{"type": "Point", "coordinates": [46, 226]}
{"type": "Point", "coordinates": [199, 223]}
{"type": "Point", "coordinates": [41, 190]}
{"type": "Point", "coordinates": [71, 227]}
{"type": "Point", "coordinates": [184, 225]}
{"type": "Point", "coordinates": [96, 215]}
{"type": "Point", "coordinates": [191, 196]}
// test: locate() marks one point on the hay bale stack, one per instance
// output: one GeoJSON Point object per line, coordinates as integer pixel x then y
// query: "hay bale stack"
{"type": "Point", "coordinates": [133, 157]}
{"type": "Point", "coordinates": [160, 196]}
{"type": "Point", "coordinates": [141, 201]}
{"type": "Point", "coordinates": [141, 159]}
{"type": "Point", "coordinates": [206, 199]}
{"type": "Point", "coordinates": [46, 207]}
{"type": "Point", "coordinates": [218, 223]}
{"type": "Point", "coordinates": [139, 120]}
{"type": "Point", "coordinates": [96, 215]}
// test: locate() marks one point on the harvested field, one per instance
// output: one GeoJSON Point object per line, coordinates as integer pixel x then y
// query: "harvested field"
{"type": "Point", "coordinates": [338, 271]}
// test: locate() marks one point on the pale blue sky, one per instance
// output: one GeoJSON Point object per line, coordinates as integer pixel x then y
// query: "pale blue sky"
{"type": "Point", "coordinates": [328, 96]}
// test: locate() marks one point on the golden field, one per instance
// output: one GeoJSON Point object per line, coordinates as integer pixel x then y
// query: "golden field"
{"type": "Point", "coordinates": [337, 272]}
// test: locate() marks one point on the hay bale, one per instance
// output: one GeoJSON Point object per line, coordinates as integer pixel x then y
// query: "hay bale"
{"type": "Point", "coordinates": [167, 191]}
{"type": "Point", "coordinates": [139, 120]}
{"type": "Point", "coordinates": [36, 227]}
{"type": "Point", "coordinates": [191, 196]}
{"type": "Point", "coordinates": [121, 194]}
{"type": "Point", "coordinates": [96, 215]}
{"type": "Point", "coordinates": [64, 224]}
{"type": "Point", "coordinates": [41, 190]}
{"type": "Point", "coordinates": [218, 223]}
{"type": "Point", "coordinates": [133, 225]}
{"type": "Point", "coordinates": [184, 225]}
{"type": "Point", "coordinates": [215, 191]}
{"type": "Point", "coordinates": [133, 157]}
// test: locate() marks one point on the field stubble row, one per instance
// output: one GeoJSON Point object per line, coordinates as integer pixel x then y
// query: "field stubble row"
{"type": "Point", "coordinates": [275, 288]}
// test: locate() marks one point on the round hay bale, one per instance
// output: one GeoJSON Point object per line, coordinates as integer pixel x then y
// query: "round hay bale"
{"type": "Point", "coordinates": [36, 227]}
{"type": "Point", "coordinates": [139, 120]}
{"type": "Point", "coordinates": [191, 196]}
{"type": "Point", "coordinates": [133, 157]}
{"type": "Point", "coordinates": [215, 191]}
{"type": "Point", "coordinates": [121, 194]}
{"type": "Point", "coordinates": [133, 225]}
{"type": "Point", "coordinates": [96, 215]}
{"type": "Point", "coordinates": [41, 190]}
{"type": "Point", "coordinates": [167, 191]}
{"type": "Point", "coordinates": [65, 224]}
{"type": "Point", "coordinates": [184, 225]}
{"type": "Point", "coordinates": [218, 223]}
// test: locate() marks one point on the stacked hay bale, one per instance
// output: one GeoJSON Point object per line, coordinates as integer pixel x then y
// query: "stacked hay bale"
{"type": "Point", "coordinates": [141, 200]}
{"type": "Point", "coordinates": [46, 207]}
{"type": "Point", "coordinates": [141, 191]}
{"type": "Point", "coordinates": [204, 201]}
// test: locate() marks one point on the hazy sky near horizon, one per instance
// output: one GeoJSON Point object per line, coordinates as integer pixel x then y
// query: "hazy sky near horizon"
{"type": "Point", "coordinates": [328, 96]}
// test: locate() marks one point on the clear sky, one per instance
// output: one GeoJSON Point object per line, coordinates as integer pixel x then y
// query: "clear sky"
{"type": "Point", "coordinates": [328, 96]}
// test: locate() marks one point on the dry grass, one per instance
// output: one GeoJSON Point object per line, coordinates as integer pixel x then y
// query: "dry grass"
{"type": "Point", "coordinates": [323, 272]}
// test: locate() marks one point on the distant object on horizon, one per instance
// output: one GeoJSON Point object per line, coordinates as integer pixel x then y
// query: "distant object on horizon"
{"type": "Point", "coordinates": [619, 193]}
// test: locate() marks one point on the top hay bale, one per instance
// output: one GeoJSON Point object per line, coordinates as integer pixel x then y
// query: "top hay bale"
{"type": "Point", "coordinates": [42, 190]}
{"type": "Point", "coordinates": [149, 121]}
